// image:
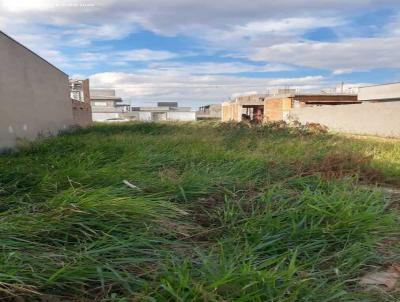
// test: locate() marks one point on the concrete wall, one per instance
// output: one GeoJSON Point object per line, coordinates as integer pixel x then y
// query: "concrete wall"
{"type": "Point", "coordinates": [231, 112]}
{"type": "Point", "coordinates": [381, 119]}
{"type": "Point", "coordinates": [212, 111]}
{"type": "Point", "coordinates": [143, 116]}
{"type": "Point", "coordinates": [181, 116]}
{"type": "Point", "coordinates": [34, 95]}
{"type": "Point", "coordinates": [104, 116]}
{"type": "Point", "coordinates": [379, 92]}
{"type": "Point", "coordinates": [148, 116]}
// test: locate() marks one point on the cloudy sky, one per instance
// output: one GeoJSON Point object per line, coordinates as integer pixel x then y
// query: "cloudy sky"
{"type": "Point", "coordinates": [198, 52]}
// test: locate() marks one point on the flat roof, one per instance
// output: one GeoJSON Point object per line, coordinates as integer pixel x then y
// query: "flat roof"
{"type": "Point", "coordinates": [105, 98]}
{"type": "Point", "coordinates": [162, 109]}
{"type": "Point", "coordinates": [310, 94]}
{"type": "Point", "coordinates": [32, 52]}
{"type": "Point", "coordinates": [256, 98]}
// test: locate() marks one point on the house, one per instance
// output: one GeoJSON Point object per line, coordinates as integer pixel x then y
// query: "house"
{"type": "Point", "coordinates": [276, 107]}
{"type": "Point", "coordinates": [106, 106]}
{"type": "Point", "coordinates": [35, 98]}
{"type": "Point", "coordinates": [80, 97]}
{"type": "Point", "coordinates": [168, 104]}
{"type": "Point", "coordinates": [250, 107]}
{"type": "Point", "coordinates": [380, 93]}
{"type": "Point", "coordinates": [165, 111]}
{"type": "Point", "coordinates": [210, 112]}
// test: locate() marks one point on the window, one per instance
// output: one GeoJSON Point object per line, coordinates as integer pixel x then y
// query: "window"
{"type": "Point", "coordinates": [76, 95]}
{"type": "Point", "coordinates": [100, 104]}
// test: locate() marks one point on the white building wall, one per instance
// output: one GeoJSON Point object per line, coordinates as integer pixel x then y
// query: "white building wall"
{"type": "Point", "coordinates": [104, 116]}
{"type": "Point", "coordinates": [144, 116]}
{"type": "Point", "coordinates": [154, 116]}
{"type": "Point", "coordinates": [181, 116]}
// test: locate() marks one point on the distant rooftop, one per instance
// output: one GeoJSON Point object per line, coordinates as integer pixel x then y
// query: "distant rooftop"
{"type": "Point", "coordinates": [106, 98]}
{"type": "Point", "coordinates": [162, 109]}
{"type": "Point", "coordinates": [312, 94]}
{"type": "Point", "coordinates": [167, 104]}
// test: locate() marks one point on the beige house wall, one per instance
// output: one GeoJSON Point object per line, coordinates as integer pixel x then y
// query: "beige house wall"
{"type": "Point", "coordinates": [380, 119]}
{"type": "Point", "coordinates": [34, 95]}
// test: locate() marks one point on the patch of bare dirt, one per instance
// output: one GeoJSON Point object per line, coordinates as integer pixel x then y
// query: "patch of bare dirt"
{"type": "Point", "coordinates": [170, 174]}
{"type": "Point", "coordinates": [387, 280]}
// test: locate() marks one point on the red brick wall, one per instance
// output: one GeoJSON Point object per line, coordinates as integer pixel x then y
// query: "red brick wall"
{"type": "Point", "coordinates": [82, 111]}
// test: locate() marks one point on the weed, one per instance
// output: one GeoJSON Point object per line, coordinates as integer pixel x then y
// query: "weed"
{"type": "Point", "coordinates": [226, 212]}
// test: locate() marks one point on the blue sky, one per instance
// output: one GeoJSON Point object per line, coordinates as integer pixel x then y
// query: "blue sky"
{"type": "Point", "coordinates": [199, 52]}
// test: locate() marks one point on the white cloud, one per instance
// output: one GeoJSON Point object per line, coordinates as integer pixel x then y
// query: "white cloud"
{"type": "Point", "coordinates": [84, 34]}
{"type": "Point", "coordinates": [341, 57]}
{"type": "Point", "coordinates": [268, 31]}
{"type": "Point", "coordinates": [169, 61]}
{"type": "Point", "coordinates": [393, 27]}
{"type": "Point", "coordinates": [218, 68]}
{"type": "Point", "coordinates": [145, 55]}
{"type": "Point", "coordinates": [21, 6]}
{"type": "Point", "coordinates": [184, 16]}
{"type": "Point", "coordinates": [288, 26]}
{"type": "Point", "coordinates": [149, 86]}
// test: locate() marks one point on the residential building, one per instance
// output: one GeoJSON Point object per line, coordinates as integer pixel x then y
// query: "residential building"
{"type": "Point", "coordinates": [210, 112]}
{"type": "Point", "coordinates": [277, 107]}
{"type": "Point", "coordinates": [106, 106]}
{"type": "Point", "coordinates": [168, 104]}
{"type": "Point", "coordinates": [250, 108]}
{"type": "Point", "coordinates": [80, 97]}
{"type": "Point", "coordinates": [380, 93]}
{"type": "Point", "coordinates": [376, 112]}
{"type": "Point", "coordinates": [271, 107]}
{"type": "Point", "coordinates": [165, 111]}
{"type": "Point", "coordinates": [34, 95]}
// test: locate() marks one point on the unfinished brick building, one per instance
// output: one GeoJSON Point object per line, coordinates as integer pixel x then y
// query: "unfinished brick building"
{"type": "Point", "coordinates": [267, 108]}
{"type": "Point", "coordinates": [80, 97]}
{"type": "Point", "coordinates": [249, 108]}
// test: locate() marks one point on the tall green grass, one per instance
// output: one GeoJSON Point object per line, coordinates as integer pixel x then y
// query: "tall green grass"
{"type": "Point", "coordinates": [224, 213]}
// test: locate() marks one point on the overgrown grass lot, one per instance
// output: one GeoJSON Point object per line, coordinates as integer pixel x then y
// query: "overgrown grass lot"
{"type": "Point", "coordinates": [221, 212]}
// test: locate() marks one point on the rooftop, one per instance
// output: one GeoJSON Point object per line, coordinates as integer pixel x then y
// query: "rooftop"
{"type": "Point", "coordinates": [162, 109]}
{"type": "Point", "coordinates": [105, 98]}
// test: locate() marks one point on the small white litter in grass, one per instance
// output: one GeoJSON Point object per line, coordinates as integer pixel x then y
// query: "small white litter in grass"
{"type": "Point", "coordinates": [130, 185]}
